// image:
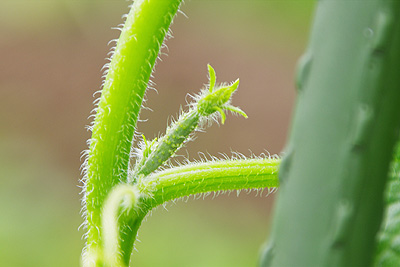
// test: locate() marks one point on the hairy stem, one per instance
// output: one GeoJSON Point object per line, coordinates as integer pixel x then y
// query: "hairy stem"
{"type": "Point", "coordinates": [208, 102]}
{"type": "Point", "coordinates": [120, 102]}
{"type": "Point", "coordinates": [128, 204]}
{"type": "Point", "coordinates": [168, 144]}
{"type": "Point", "coordinates": [211, 176]}
{"type": "Point", "coordinates": [122, 199]}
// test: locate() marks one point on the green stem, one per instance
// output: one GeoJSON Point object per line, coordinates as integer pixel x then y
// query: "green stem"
{"type": "Point", "coordinates": [344, 130]}
{"type": "Point", "coordinates": [120, 102]}
{"type": "Point", "coordinates": [122, 199]}
{"type": "Point", "coordinates": [168, 144]}
{"type": "Point", "coordinates": [211, 176]}
{"type": "Point", "coordinates": [155, 153]}
{"type": "Point", "coordinates": [137, 200]}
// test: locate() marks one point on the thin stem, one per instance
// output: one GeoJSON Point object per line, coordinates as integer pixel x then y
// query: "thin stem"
{"type": "Point", "coordinates": [205, 177]}
{"type": "Point", "coordinates": [122, 199]}
{"type": "Point", "coordinates": [154, 154]}
{"type": "Point", "coordinates": [168, 144]}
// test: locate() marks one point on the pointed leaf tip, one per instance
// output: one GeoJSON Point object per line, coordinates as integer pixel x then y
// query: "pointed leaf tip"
{"type": "Point", "coordinates": [223, 116]}
{"type": "Point", "coordinates": [235, 110]}
{"type": "Point", "coordinates": [212, 77]}
{"type": "Point", "coordinates": [235, 85]}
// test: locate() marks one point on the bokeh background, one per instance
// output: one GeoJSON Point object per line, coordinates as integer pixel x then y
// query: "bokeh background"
{"type": "Point", "coordinates": [50, 66]}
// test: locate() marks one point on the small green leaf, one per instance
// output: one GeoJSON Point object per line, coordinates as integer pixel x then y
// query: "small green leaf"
{"type": "Point", "coordinates": [211, 73]}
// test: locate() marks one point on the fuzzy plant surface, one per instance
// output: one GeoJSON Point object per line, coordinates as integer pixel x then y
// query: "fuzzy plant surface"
{"type": "Point", "coordinates": [122, 184]}
{"type": "Point", "coordinates": [388, 245]}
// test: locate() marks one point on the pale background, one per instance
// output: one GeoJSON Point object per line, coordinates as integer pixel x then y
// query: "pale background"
{"type": "Point", "coordinates": [51, 56]}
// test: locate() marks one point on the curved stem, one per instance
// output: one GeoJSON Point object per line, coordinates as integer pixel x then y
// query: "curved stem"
{"type": "Point", "coordinates": [122, 199]}
{"type": "Point", "coordinates": [163, 186]}
{"type": "Point", "coordinates": [205, 177]}
{"type": "Point", "coordinates": [120, 102]}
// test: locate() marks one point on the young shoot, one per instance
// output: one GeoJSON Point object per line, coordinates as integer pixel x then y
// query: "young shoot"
{"type": "Point", "coordinates": [116, 197]}
{"type": "Point", "coordinates": [215, 100]}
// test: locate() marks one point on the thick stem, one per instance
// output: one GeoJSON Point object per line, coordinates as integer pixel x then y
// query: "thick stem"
{"type": "Point", "coordinates": [346, 124]}
{"type": "Point", "coordinates": [120, 102]}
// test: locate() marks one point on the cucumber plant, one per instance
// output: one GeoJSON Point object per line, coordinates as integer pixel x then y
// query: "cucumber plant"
{"type": "Point", "coordinates": [344, 130]}
{"type": "Point", "coordinates": [122, 184]}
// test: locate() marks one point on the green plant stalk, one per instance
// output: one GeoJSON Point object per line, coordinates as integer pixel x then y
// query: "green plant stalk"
{"type": "Point", "coordinates": [343, 133]}
{"type": "Point", "coordinates": [152, 155]}
{"type": "Point", "coordinates": [123, 196]}
{"type": "Point", "coordinates": [116, 206]}
{"type": "Point", "coordinates": [168, 144]}
{"type": "Point", "coordinates": [120, 102]}
{"type": "Point", "coordinates": [155, 153]}
{"type": "Point", "coordinates": [220, 175]}
{"type": "Point", "coordinates": [128, 204]}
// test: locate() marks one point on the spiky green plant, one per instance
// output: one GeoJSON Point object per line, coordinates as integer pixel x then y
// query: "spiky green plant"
{"type": "Point", "coordinates": [343, 133]}
{"type": "Point", "coordinates": [117, 196]}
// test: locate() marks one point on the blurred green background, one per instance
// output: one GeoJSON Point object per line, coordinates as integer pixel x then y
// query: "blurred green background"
{"type": "Point", "coordinates": [51, 56]}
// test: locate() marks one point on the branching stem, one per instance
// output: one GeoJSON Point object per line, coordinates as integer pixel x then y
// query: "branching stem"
{"type": "Point", "coordinates": [116, 206]}
{"type": "Point", "coordinates": [120, 102]}
{"type": "Point", "coordinates": [122, 200]}
{"type": "Point", "coordinates": [128, 204]}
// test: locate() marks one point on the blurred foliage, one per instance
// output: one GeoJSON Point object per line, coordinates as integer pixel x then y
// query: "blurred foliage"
{"type": "Point", "coordinates": [388, 245]}
{"type": "Point", "coordinates": [52, 55]}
